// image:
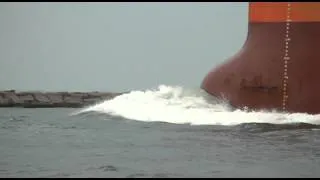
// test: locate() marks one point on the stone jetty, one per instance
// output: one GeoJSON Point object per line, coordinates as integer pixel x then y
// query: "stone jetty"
{"type": "Point", "coordinates": [12, 98]}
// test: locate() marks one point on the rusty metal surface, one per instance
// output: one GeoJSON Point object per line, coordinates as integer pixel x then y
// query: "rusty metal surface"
{"type": "Point", "coordinates": [254, 76]}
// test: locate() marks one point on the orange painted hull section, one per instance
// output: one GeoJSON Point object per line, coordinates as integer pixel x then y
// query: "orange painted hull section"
{"type": "Point", "coordinates": [278, 67]}
{"type": "Point", "coordinates": [278, 12]}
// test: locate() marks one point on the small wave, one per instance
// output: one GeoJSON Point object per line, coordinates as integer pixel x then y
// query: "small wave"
{"type": "Point", "coordinates": [175, 104]}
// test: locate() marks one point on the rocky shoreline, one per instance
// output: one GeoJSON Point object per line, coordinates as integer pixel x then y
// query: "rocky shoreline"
{"type": "Point", "coordinates": [12, 98]}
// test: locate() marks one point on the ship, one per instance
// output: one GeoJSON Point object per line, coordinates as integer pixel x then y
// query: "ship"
{"type": "Point", "coordinates": [278, 66]}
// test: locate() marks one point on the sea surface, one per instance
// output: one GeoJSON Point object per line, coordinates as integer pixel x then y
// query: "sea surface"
{"type": "Point", "coordinates": [168, 131]}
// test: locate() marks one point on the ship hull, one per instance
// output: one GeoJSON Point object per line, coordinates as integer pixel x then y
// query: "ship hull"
{"type": "Point", "coordinates": [277, 68]}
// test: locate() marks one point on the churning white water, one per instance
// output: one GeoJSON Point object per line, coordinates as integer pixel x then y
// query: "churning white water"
{"type": "Point", "coordinates": [174, 104]}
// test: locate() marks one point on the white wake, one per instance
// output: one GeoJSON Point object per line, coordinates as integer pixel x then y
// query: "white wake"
{"type": "Point", "coordinates": [179, 105]}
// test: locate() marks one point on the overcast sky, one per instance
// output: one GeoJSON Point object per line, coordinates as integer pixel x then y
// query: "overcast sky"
{"type": "Point", "coordinates": [115, 46]}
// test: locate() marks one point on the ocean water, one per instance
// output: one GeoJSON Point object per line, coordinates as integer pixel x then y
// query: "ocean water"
{"type": "Point", "coordinates": [168, 131]}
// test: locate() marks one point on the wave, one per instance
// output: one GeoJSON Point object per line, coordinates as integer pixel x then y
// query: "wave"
{"type": "Point", "coordinates": [179, 105]}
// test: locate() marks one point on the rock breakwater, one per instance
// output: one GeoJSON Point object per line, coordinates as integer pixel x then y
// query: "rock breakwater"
{"type": "Point", "coordinates": [12, 98]}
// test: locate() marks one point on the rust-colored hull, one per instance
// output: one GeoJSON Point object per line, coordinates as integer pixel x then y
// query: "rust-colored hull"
{"type": "Point", "coordinates": [272, 71]}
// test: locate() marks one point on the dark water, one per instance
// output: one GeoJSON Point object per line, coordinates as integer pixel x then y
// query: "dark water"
{"type": "Point", "coordinates": [49, 143]}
